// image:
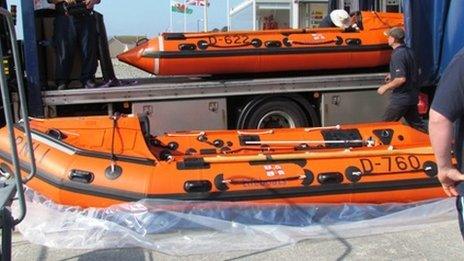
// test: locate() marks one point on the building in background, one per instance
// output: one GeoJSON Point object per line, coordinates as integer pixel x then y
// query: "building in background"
{"type": "Point", "coordinates": [300, 13]}
{"type": "Point", "coordinates": [311, 13]}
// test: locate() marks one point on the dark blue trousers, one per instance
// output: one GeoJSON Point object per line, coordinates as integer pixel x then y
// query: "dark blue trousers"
{"type": "Point", "coordinates": [410, 113]}
{"type": "Point", "coordinates": [459, 206]}
{"type": "Point", "coordinates": [71, 32]}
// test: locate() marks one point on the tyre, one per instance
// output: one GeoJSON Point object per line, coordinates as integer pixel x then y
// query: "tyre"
{"type": "Point", "coordinates": [275, 113]}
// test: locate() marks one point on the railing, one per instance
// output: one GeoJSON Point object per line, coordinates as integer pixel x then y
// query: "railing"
{"type": "Point", "coordinates": [13, 182]}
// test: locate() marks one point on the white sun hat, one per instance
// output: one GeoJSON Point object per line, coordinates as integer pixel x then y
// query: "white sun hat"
{"type": "Point", "coordinates": [340, 18]}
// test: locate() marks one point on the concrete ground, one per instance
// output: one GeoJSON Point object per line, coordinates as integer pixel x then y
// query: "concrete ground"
{"type": "Point", "coordinates": [440, 241]}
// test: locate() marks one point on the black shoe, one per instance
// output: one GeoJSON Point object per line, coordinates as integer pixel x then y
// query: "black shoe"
{"type": "Point", "coordinates": [113, 83]}
{"type": "Point", "coordinates": [62, 87]}
{"type": "Point", "coordinates": [90, 84]}
{"type": "Point", "coordinates": [105, 85]}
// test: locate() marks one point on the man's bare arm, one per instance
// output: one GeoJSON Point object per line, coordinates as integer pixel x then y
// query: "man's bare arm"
{"type": "Point", "coordinates": [395, 83]}
{"type": "Point", "coordinates": [90, 3]}
{"type": "Point", "coordinates": [67, 1]}
{"type": "Point", "coordinates": [441, 136]}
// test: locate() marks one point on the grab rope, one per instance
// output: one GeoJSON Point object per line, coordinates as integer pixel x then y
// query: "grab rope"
{"type": "Point", "coordinates": [230, 46]}
{"type": "Point", "coordinates": [250, 180]}
{"type": "Point", "coordinates": [185, 134]}
{"type": "Point", "coordinates": [286, 142]}
{"type": "Point", "coordinates": [255, 132]}
{"type": "Point", "coordinates": [381, 20]}
{"type": "Point", "coordinates": [336, 127]}
{"type": "Point", "coordinates": [313, 43]}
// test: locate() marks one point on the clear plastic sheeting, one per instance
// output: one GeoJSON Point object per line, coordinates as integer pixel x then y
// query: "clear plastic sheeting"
{"type": "Point", "coordinates": [185, 228]}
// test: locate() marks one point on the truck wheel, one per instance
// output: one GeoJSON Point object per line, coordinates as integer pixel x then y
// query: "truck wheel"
{"type": "Point", "coordinates": [275, 113]}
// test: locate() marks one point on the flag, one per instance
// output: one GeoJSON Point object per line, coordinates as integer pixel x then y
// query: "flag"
{"type": "Point", "coordinates": [196, 2]}
{"type": "Point", "coordinates": [180, 8]}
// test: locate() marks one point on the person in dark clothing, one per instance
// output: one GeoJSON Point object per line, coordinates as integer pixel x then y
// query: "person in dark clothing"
{"type": "Point", "coordinates": [75, 26]}
{"type": "Point", "coordinates": [402, 81]}
{"type": "Point", "coordinates": [326, 22]}
{"type": "Point", "coordinates": [448, 108]}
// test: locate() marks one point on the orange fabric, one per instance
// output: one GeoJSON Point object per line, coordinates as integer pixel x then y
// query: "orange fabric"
{"type": "Point", "coordinates": [229, 44]}
{"type": "Point", "coordinates": [225, 154]}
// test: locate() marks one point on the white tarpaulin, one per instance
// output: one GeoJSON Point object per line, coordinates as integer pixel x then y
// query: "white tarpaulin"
{"type": "Point", "coordinates": [185, 228]}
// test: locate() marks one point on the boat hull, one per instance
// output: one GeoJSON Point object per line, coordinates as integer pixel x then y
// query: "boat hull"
{"type": "Point", "coordinates": [266, 51]}
{"type": "Point", "coordinates": [92, 162]}
{"type": "Point", "coordinates": [274, 63]}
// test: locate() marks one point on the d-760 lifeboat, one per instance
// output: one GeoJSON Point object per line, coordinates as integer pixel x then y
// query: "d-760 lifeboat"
{"type": "Point", "coordinates": [100, 161]}
{"type": "Point", "coordinates": [216, 53]}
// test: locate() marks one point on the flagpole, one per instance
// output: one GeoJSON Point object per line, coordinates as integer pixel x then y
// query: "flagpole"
{"type": "Point", "coordinates": [254, 15]}
{"type": "Point", "coordinates": [205, 16]}
{"type": "Point", "coordinates": [170, 16]}
{"type": "Point", "coordinates": [228, 15]}
{"type": "Point", "coordinates": [185, 16]}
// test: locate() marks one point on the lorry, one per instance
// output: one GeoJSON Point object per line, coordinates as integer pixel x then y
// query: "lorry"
{"type": "Point", "coordinates": [180, 103]}
{"type": "Point", "coordinates": [435, 41]}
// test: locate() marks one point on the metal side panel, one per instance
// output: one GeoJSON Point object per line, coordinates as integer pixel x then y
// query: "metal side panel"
{"type": "Point", "coordinates": [165, 88]}
{"type": "Point", "coordinates": [352, 107]}
{"type": "Point", "coordinates": [171, 116]}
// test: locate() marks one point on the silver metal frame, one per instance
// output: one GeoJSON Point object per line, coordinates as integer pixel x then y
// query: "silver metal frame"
{"type": "Point", "coordinates": [156, 91]}
{"type": "Point", "coordinates": [9, 116]}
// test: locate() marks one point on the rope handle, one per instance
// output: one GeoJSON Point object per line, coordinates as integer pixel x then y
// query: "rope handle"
{"type": "Point", "coordinates": [255, 132]}
{"type": "Point", "coordinates": [185, 134]}
{"type": "Point", "coordinates": [250, 180]}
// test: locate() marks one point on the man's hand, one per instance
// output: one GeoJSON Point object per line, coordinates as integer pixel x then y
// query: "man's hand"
{"type": "Point", "coordinates": [382, 89]}
{"type": "Point", "coordinates": [388, 77]}
{"type": "Point", "coordinates": [393, 84]}
{"type": "Point", "coordinates": [66, 1]}
{"type": "Point", "coordinates": [90, 3]}
{"type": "Point", "coordinates": [441, 135]}
{"type": "Point", "coordinates": [449, 178]}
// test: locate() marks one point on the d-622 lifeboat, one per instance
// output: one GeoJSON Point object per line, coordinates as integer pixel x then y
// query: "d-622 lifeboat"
{"type": "Point", "coordinates": [216, 53]}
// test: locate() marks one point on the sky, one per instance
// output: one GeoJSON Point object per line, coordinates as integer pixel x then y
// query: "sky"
{"type": "Point", "coordinates": [151, 17]}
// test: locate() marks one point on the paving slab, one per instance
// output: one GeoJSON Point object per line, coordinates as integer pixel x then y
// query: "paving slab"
{"type": "Point", "coordinates": [439, 241]}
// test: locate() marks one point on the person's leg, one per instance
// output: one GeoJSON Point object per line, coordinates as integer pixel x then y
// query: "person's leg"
{"type": "Point", "coordinates": [394, 112]}
{"type": "Point", "coordinates": [413, 118]}
{"type": "Point", "coordinates": [459, 205]}
{"type": "Point", "coordinates": [64, 41]}
{"type": "Point", "coordinates": [88, 44]}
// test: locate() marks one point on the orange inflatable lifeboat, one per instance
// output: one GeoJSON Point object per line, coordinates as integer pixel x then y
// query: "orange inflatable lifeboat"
{"type": "Point", "coordinates": [215, 53]}
{"type": "Point", "coordinates": [99, 161]}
